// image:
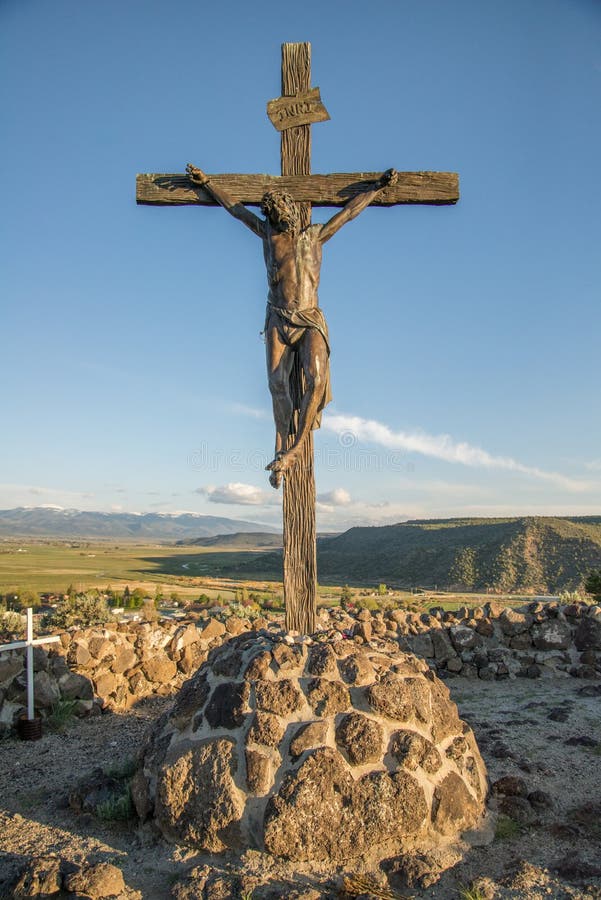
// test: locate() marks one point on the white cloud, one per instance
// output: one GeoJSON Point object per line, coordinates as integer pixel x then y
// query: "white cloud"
{"type": "Point", "coordinates": [441, 446]}
{"type": "Point", "coordinates": [236, 493]}
{"type": "Point", "coordinates": [336, 497]}
{"type": "Point", "coordinates": [252, 411]}
{"type": "Point", "coordinates": [594, 465]}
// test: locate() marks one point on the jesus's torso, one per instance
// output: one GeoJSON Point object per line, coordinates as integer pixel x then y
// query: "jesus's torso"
{"type": "Point", "coordinates": [293, 262]}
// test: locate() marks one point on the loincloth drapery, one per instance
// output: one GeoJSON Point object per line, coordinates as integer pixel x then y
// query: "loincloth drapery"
{"type": "Point", "coordinates": [291, 326]}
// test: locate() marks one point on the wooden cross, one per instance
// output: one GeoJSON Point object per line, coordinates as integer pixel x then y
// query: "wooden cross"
{"type": "Point", "coordinates": [292, 115]}
{"type": "Point", "coordinates": [30, 643]}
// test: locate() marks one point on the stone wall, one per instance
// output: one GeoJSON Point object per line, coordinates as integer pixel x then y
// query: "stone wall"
{"type": "Point", "coordinates": [493, 642]}
{"type": "Point", "coordinates": [106, 667]}
{"type": "Point", "coordinates": [113, 666]}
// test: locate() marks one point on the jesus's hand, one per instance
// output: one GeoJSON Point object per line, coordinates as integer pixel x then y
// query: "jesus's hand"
{"type": "Point", "coordinates": [197, 176]}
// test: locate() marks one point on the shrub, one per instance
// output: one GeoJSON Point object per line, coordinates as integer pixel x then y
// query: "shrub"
{"type": "Point", "coordinates": [592, 585]}
{"type": "Point", "coordinates": [12, 622]}
{"type": "Point", "coordinates": [79, 609]}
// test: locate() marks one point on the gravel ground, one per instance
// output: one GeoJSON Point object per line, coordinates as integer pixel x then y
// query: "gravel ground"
{"type": "Point", "coordinates": [546, 731]}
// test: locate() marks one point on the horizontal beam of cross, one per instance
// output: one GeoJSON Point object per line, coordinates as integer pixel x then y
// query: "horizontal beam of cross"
{"type": "Point", "coordinates": [435, 188]}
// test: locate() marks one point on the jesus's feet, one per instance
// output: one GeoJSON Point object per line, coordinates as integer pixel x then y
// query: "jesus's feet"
{"type": "Point", "coordinates": [278, 467]}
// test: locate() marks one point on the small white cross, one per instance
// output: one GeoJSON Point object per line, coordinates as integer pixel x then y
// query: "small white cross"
{"type": "Point", "coordinates": [30, 643]}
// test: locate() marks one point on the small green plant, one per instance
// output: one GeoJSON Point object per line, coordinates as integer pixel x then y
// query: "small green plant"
{"type": "Point", "coordinates": [118, 808]}
{"type": "Point", "coordinates": [471, 893]}
{"type": "Point", "coordinates": [61, 714]}
{"type": "Point", "coordinates": [506, 828]}
{"type": "Point", "coordinates": [123, 769]}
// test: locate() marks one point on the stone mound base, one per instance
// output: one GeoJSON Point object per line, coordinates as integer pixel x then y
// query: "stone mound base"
{"type": "Point", "coordinates": [311, 750]}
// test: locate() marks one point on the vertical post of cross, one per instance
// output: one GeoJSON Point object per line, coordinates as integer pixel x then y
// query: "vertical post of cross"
{"type": "Point", "coordinates": [30, 708]}
{"type": "Point", "coordinates": [299, 556]}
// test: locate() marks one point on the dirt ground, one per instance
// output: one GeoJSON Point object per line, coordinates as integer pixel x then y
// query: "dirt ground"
{"type": "Point", "coordinates": [546, 731]}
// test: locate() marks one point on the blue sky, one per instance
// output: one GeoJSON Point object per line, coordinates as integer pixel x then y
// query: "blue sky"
{"type": "Point", "coordinates": [465, 360]}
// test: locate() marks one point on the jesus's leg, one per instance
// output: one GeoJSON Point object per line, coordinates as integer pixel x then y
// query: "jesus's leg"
{"type": "Point", "coordinates": [313, 353]}
{"type": "Point", "coordinates": [279, 365]}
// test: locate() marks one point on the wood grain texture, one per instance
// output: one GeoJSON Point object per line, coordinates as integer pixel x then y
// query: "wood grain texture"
{"type": "Point", "coordinates": [302, 109]}
{"type": "Point", "coordinates": [300, 565]}
{"type": "Point", "coordinates": [434, 188]}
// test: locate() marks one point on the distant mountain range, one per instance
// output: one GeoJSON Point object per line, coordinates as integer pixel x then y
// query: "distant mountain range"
{"type": "Point", "coordinates": [74, 523]}
{"type": "Point", "coordinates": [538, 554]}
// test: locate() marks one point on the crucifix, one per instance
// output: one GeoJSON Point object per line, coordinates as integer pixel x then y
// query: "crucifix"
{"type": "Point", "coordinates": [30, 642]}
{"type": "Point", "coordinates": [295, 329]}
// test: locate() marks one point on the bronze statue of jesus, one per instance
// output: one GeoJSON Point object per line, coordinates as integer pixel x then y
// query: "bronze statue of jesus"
{"type": "Point", "coordinates": [294, 322]}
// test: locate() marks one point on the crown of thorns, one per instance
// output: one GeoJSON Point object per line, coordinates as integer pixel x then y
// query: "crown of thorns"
{"type": "Point", "coordinates": [276, 200]}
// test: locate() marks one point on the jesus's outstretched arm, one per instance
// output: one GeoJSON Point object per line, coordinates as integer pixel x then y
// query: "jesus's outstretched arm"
{"type": "Point", "coordinates": [237, 210]}
{"type": "Point", "coordinates": [356, 205]}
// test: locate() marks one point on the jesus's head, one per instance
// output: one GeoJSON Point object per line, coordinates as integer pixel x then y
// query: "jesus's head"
{"type": "Point", "coordinates": [281, 210]}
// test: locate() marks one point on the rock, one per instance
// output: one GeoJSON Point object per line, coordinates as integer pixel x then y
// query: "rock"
{"type": "Point", "coordinates": [45, 690]}
{"type": "Point", "coordinates": [553, 634]}
{"type": "Point", "coordinates": [510, 786]}
{"type": "Point", "coordinates": [517, 808]}
{"type": "Point", "coordinates": [79, 655]}
{"type": "Point", "coordinates": [540, 800]}
{"type": "Point", "coordinates": [213, 629]}
{"type": "Point", "coordinates": [197, 800]}
{"type": "Point", "coordinates": [279, 697]}
{"type": "Point", "coordinates": [266, 729]}
{"type": "Point", "coordinates": [76, 687]}
{"type": "Point", "coordinates": [40, 878]}
{"type": "Point", "coordinates": [258, 772]}
{"type": "Point", "coordinates": [308, 737]}
{"type": "Point", "coordinates": [192, 656]}
{"type": "Point", "coordinates": [235, 625]}
{"type": "Point", "coordinates": [96, 881]}
{"type": "Point", "coordinates": [140, 795]}
{"type": "Point", "coordinates": [356, 669]}
{"type": "Point", "coordinates": [588, 633]}
{"type": "Point", "coordinates": [100, 648]}
{"type": "Point", "coordinates": [321, 813]}
{"type": "Point", "coordinates": [327, 697]}
{"type": "Point", "coordinates": [322, 660]}
{"type": "Point", "coordinates": [455, 809]}
{"type": "Point", "coordinates": [411, 750]}
{"type": "Point", "coordinates": [190, 700]}
{"type": "Point", "coordinates": [10, 666]}
{"type": "Point", "coordinates": [443, 648]}
{"type": "Point", "coordinates": [514, 621]}
{"type": "Point", "coordinates": [106, 684]}
{"type": "Point", "coordinates": [288, 658]}
{"type": "Point", "coordinates": [391, 697]}
{"type": "Point", "coordinates": [454, 665]}
{"type": "Point", "coordinates": [463, 638]}
{"type": "Point", "coordinates": [125, 658]}
{"type": "Point", "coordinates": [159, 669]}
{"type": "Point", "coordinates": [257, 666]}
{"type": "Point", "coordinates": [422, 645]}
{"type": "Point", "coordinates": [228, 704]}
{"type": "Point", "coordinates": [485, 628]}
{"type": "Point", "coordinates": [227, 660]}
{"type": "Point", "coordinates": [521, 641]}
{"type": "Point", "coordinates": [360, 737]}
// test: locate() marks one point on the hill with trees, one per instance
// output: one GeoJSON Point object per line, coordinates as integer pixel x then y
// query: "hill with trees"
{"type": "Point", "coordinates": [540, 554]}
{"type": "Point", "coordinates": [513, 555]}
